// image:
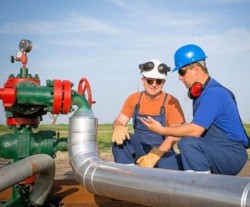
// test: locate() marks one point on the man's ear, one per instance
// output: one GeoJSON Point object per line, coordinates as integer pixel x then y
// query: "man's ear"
{"type": "Point", "coordinates": [197, 69]}
{"type": "Point", "coordinates": [142, 80]}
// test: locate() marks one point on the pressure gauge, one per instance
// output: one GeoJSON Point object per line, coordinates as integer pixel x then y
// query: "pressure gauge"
{"type": "Point", "coordinates": [25, 45]}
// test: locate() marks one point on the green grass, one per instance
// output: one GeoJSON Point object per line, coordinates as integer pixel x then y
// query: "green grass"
{"type": "Point", "coordinates": [104, 141]}
{"type": "Point", "coordinates": [57, 127]}
{"type": "Point", "coordinates": [105, 127]}
{"type": "Point", "coordinates": [104, 133]}
{"type": "Point", "coordinates": [247, 128]}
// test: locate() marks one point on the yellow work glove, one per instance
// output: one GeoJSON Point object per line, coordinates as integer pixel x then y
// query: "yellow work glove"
{"type": "Point", "coordinates": [120, 133]}
{"type": "Point", "coordinates": [149, 160]}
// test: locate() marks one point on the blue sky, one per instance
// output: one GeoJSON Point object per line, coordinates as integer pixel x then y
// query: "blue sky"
{"type": "Point", "coordinates": [105, 40]}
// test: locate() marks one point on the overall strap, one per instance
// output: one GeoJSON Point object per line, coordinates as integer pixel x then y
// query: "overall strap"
{"type": "Point", "coordinates": [163, 104]}
{"type": "Point", "coordinates": [136, 109]}
{"type": "Point", "coordinates": [162, 110]}
{"type": "Point", "coordinates": [233, 97]}
{"type": "Point", "coordinates": [137, 106]}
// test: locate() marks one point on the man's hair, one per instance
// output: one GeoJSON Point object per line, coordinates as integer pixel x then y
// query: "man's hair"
{"type": "Point", "coordinates": [202, 64]}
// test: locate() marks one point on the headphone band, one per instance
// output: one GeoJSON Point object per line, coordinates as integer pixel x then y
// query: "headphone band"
{"type": "Point", "coordinates": [207, 81]}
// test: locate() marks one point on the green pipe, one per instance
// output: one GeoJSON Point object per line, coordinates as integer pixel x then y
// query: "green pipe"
{"type": "Point", "coordinates": [60, 145]}
{"type": "Point", "coordinates": [80, 101]}
{"type": "Point", "coordinates": [35, 96]}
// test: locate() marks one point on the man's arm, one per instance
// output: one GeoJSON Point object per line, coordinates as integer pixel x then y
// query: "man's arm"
{"type": "Point", "coordinates": [168, 143]}
{"type": "Point", "coordinates": [185, 130]}
{"type": "Point", "coordinates": [121, 120]}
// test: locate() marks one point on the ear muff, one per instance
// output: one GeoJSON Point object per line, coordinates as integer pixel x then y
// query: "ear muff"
{"type": "Point", "coordinates": [195, 91]}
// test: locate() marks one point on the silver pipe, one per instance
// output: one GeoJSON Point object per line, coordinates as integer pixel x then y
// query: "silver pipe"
{"type": "Point", "coordinates": [146, 186]}
{"type": "Point", "coordinates": [41, 165]}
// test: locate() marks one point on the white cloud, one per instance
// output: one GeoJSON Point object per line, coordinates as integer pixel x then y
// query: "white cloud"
{"type": "Point", "coordinates": [72, 43]}
{"type": "Point", "coordinates": [224, 1]}
{"type": "Point", "coordinates": [73, 25]}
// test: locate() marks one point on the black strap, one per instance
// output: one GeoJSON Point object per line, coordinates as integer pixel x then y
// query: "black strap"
{"type": "Point", "coordinates": [137, 106]}
{"type": "Point", "coordinates": [163, 104]}
{"type": "Point", "coordinates": [162, 110]}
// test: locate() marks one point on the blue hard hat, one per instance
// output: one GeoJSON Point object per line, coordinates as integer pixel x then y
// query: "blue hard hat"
{"type": "Point", "coordinates": [188, 54]}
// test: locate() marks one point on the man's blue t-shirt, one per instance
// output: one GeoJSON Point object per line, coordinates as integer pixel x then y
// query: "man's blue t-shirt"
{"type": "Point", "coordinates": [216, 106]}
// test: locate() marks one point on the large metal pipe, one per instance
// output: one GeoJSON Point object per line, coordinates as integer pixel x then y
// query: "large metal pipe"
{"type": "Point", "coordinates": [149, 187]}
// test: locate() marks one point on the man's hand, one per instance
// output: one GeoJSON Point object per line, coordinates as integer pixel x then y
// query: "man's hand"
{"type": "Point", "coordinates": [151, 158]}
{"type": "Point", "coordinates": [153, 125]}
{"type": "Point", "coordinates": [120, 134]}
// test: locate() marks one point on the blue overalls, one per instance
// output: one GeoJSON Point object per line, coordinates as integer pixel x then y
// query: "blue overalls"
{"type": "Point", "coordinates": [143, 140]}
{"type": "Point", "coordinates": [213, 151]}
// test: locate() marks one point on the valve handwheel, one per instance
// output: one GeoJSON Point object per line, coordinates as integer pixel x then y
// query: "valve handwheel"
{"type": "Point", "coordinates": [82, 90]}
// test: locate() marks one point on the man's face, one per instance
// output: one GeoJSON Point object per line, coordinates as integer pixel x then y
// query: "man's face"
{"type": "Point", "coordinates": [186, 75]}
{"type": "Point", "coordinates": [153, 86]}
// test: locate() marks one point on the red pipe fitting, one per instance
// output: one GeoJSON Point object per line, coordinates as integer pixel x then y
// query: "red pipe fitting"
{"type": "Point", "coordinates": [23, 59]}
{"type": "Point", "coordinates": [62, 97]}
{"type": "Point", "coordinates": [8, 94]}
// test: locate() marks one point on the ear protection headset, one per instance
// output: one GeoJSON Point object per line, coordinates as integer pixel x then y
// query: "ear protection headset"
{"type": "Point", "coordinates": [148, 66]}
{"type": "Point", "coordinates": [195, 91]}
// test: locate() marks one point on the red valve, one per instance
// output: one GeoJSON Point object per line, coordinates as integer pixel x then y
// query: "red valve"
{"type": "Point", "coordinates": [62, 97]}
{"type": "Point", "coordinates": [16, 81]}
{"type": "Point", "coordinates": [57, 104]}
{"type": "Point", "coordinates": [84, 89]}
{"type": "Point", "coordinates": [8, 94]}
{"type": "Point", "coordinates": [66, 97]}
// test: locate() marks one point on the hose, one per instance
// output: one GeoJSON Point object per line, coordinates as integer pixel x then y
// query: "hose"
{"type": "Point", "coordinates": [41, 165]}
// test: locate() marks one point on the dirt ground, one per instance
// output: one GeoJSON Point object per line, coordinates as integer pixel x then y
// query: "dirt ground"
{"type": "Point", "coordinates": [63, 164]}
{"type": "Point", "coordinates": [245, 172]}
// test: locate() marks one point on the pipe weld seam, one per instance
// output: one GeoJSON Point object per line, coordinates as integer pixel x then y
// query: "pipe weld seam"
{"type": "Point", "coordinates": [244, 195]}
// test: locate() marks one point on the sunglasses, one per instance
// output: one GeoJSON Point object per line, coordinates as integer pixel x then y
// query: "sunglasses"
{"type": "Point", "coordinates": [151, 81]}
{"type": "Point", "coordinates": [182, 72]}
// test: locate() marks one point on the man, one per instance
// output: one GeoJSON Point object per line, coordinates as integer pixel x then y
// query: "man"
{"type": "Point", "coordinates": [131, 148]}
{"type": "Point", "coordinates": [215, 140]}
